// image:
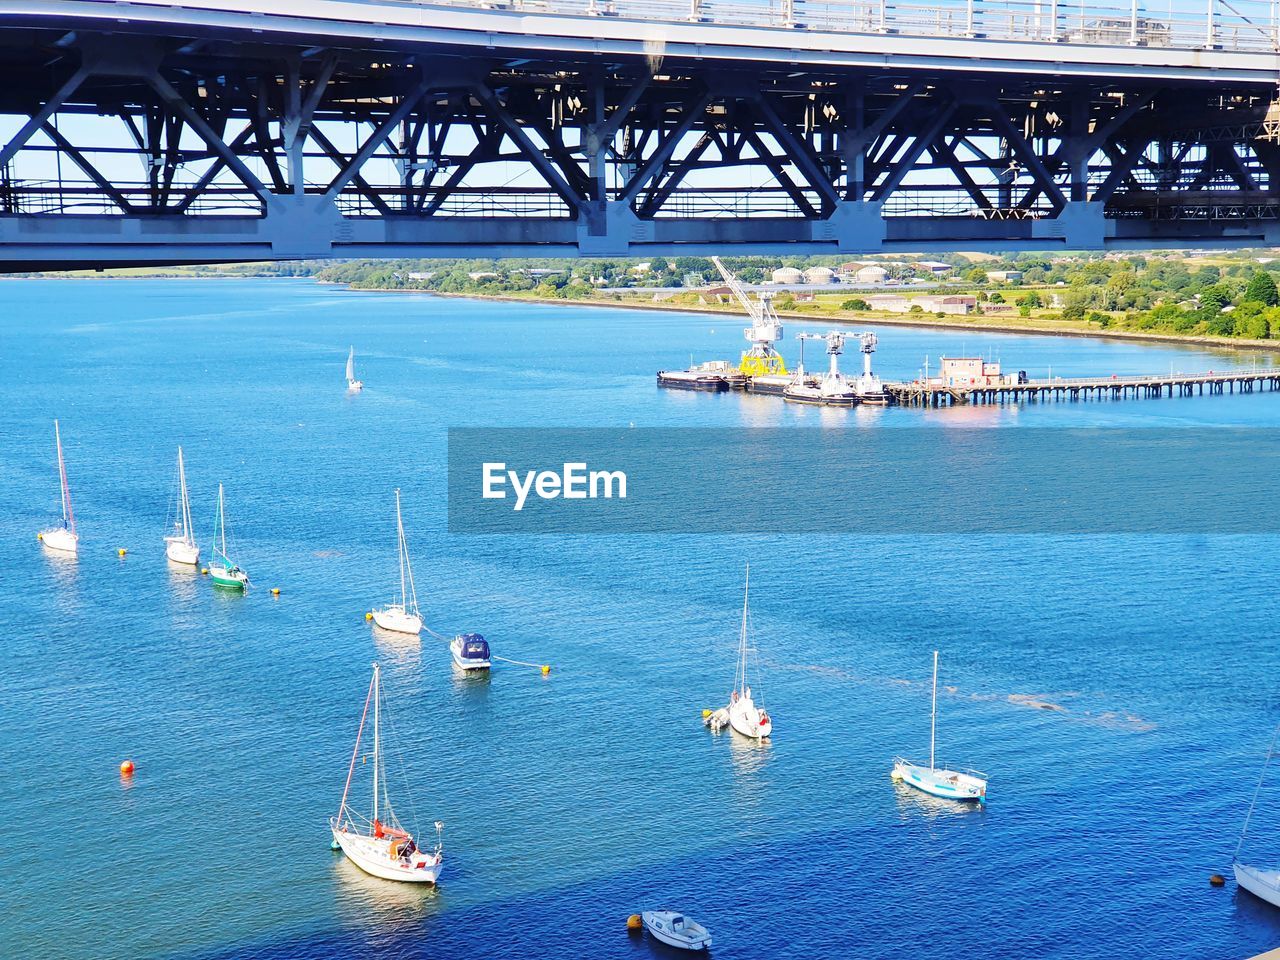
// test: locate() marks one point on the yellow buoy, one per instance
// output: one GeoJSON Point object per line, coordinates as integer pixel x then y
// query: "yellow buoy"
{"type": "Point", "coordinates": [546, 669]}
{"type": "Point", "coordinates": [39, 536]}
{"type": "Point", "coordinates": [368, 616]}
{"type": "Point", "coordinates": [275, 591]}
{"type": "Point", "coordinates": [635, 922]}
{"type": "Point", "coordinates": [121, 552]}
{"type": "Point", "coordinates": [204, 571]}
{"type": "Point", "coordinates": [705, 714]}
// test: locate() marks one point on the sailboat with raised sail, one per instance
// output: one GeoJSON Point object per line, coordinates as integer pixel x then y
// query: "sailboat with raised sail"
{"type": "Point", "coordinates": [379, 844]}
{"type": "Point", "coordinates": [63, 539]}
{"type": "Point", "coordinates": [939, 781]}
{"type": "Point", "coordinates": [180, 546]}
{"type": "Point", "coordinates": [224, 571]}
{"type": "Point", "coordinates": [745, 715]}
{"type": "Point", "coordinates": [353, 384]}
{"type": "Point", "coordinates": [402, 615]}
{"type": "Point", "coordinates": [1262, 882]}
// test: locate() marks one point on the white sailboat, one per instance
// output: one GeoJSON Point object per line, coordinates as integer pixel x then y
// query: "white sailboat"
{"type": "Point", "coordinates": [939, 781]}
{"type": "Point", "coordinates": [1262, 882]}
{"type": "Point", "coordinates": [180, 546]}
{"type": "Point", "coordinates": [379, 844]}
{"type": "Point", "coordinates": [353, 384]}
{"type": "Point", "coordinates": [745, 715]}
{"type": "Point", "coordinates": [63, 539]}
{"type": "Point", "coordinates": [224, 571]}
{"type": "Point", "coordinates": [402, 616]}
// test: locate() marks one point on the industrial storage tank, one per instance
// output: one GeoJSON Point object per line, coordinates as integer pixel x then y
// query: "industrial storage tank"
{"type": "Point", "coordinates": [788, 275]}
{"type": "Point", "coordinates": [819, 275]}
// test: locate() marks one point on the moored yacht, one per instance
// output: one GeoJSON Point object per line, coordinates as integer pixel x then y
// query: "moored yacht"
{"type": "Point", "coordinates": [745, 715]}
{"type": "Point", "coordinates": [63, 539]}
{"type": "Point", "coordinates": [180, 546]}
{"type": "Point", "coordinates": [942, 782]}
{"type": "Point", "coordinates": [401, 615]}
{"type": "Point", "coordinates": [470, 651]}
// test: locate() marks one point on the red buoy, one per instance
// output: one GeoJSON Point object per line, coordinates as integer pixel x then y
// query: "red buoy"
{"type": "Point", "coordinates": [126, 767]}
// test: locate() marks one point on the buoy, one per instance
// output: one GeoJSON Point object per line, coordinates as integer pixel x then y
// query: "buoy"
{"type": "Point", "coordinates": [275, 591]}
{"type": "Point", "coordinates": [126, 767]}
{"type": "Point", "coordinates": [204, 571]}
{"type": "Point", "coordinates": [39, 536]}
{"type": "Point", "coordinates": [1217, 880]}
{"type": "Point", "coordinates": [635, 922]}
{"type": "Point", "coordinates": [368, 616]}
{"type": "Point", "coordinates": [334, 845]}
{"type": "Point", "coordinates": [705, 714]}
{"type": "Point", "coordinates": [121, 552]}
{"type": "Point", "coordinates": [546, 669]}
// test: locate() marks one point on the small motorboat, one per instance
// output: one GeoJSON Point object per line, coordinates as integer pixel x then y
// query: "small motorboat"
{"type": "Point", "coordinates": [470, 651]}
{"type": "Point", "coordinates": [676, 930]}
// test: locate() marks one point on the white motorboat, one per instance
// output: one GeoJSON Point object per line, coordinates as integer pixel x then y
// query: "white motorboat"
{"type": "Point", "coordinates": [63, 539]}
{"type": "Point", "coordinates": [224, 571]}
{"type": "Point", "coordinates": [1262, 882]}
{"type": "Point", "coordinates": [379, 844]}
{"type": "Point", "coordinates": [676, 930]}
{"type": "Point", "coordinates": [401, 615]}
{"type": "Point", "coordinates": [968, 785]}
{"type": "Point", "coordinates": [470, 651]}
{"type": "Point", "coordinates": [353, 384]}
{"type": "Point", "coordinates": [745, 715]}
{"type": "Point", "coordinates": [180, 546]}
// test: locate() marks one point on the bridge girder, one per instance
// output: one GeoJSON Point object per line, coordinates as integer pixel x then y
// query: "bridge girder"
{"type": "Point", "coordinates": [133, 146]}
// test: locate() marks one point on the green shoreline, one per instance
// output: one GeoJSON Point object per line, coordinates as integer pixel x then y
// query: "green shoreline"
{"type": "Point", "coordinates": [893, 320]}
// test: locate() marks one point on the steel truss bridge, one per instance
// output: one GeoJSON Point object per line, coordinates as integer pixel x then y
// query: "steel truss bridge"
{"type": "Point", "coordinates": [231, 130]}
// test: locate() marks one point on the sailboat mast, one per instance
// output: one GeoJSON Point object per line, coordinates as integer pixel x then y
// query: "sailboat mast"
{"type": "Point", "coordinates": [400, 549]}
{"type": "Point", "coordinates": [377, 759]}
{"type": "Point", "coordinates": [186, 503]}
{"type": "Point", "coordinates": [68, 517]}
{"type": "Point", "coordinates": [933, 714]}
{"type": "Point", "coordinates": [742, 640]}
{"type": "Point", "coordinates": [222, 524]}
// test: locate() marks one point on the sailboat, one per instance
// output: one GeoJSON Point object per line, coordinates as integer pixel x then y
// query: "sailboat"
{"type": "Point", "coordinates": [1261, 882]}
{"type": "Point", "coordinates": [402, 616]}
{"type": "Point", "coordinates": [745, 716]}
{"type": "Point", "coordinates": [223, 570]}
{"type": "Point", "coordinates": [379, 845]}
{"type": "Point", "coordinates": [939, 781]}
{"type": "Point", "coordinates": [353, 384]}
{"type": "Point", "coordinates": [63, 539]}
{"type": "Point", "coordinates": [180, 546]}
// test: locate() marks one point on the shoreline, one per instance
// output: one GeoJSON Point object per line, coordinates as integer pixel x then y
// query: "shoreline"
{"type": "Point", "coordinates": [1263, 346]}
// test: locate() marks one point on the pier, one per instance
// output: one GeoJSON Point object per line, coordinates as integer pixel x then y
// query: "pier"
{"type": "Point", "coordinates": [924, 394]}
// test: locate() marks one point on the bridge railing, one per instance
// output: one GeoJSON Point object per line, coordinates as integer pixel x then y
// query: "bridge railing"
{"type": "Point", "coordinates": [1190, 24]}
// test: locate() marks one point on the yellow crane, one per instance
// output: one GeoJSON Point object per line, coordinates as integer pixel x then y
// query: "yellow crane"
{"type": "Point", "coordinates": [765, 330]}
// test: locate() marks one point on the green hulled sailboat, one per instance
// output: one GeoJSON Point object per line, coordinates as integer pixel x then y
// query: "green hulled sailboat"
{"type": "Point", "coordinates": [224, 571]}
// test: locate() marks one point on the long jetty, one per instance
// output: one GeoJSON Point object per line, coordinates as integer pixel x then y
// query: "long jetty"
{"type": "Point", "coordinates": [924, 394]}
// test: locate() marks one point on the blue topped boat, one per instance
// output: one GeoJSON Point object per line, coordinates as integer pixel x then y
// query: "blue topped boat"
{"type": "Point", "coordinates": [470, 651]}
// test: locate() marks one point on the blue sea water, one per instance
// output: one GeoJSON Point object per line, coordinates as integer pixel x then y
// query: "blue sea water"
{"type": "Point", "coordinates": [1120, 691]}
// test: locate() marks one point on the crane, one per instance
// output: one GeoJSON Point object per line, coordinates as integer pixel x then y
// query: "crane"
{"type": "Point", "coordinates": [765, 329]}
{"type": "Point", "coordinates": [835, 347]}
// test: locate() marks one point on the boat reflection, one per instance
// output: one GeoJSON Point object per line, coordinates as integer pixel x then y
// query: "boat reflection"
{"type": "Point", "coordinates": [403, 649]}
{"type": "Point", "coordinates": [915, 803]}
{"type": "Point", "coordinates": [749, 755]}
{"type": "Point", "coordinates": [364, 900]}
{"type": "Point", "coordinates": [184, 579]}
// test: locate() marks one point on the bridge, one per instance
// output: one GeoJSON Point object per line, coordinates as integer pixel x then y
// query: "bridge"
{"type": "Point", "coordinates": [149, 132]}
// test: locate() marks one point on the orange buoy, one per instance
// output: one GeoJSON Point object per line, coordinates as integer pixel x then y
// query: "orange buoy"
{"type": "Point", "coordinates": [126, 767]}
{"type": "Point", "coordinates": [635, 922]}
{"type": "Point", "coordinates": [1217, 880]}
